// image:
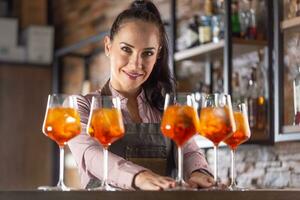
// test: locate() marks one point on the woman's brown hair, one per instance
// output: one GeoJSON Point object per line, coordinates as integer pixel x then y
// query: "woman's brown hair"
{"type": "Point", "coordinates": [160, 81]}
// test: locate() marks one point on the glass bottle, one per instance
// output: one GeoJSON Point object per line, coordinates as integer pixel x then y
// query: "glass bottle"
{"type": "Point", "coordinates": [235, 21]}
{"type": "Point", "coordinates": [296, 88]}
{"type": "Point", "coordinates": [252, 98]}
{"type": "Point", "coordinates": [261, 115]}
{"type": "Point", "coordinates": [236, 93]}
{"type": "Point", "coordinates": [205, 30]}
{"type": "Point", "coordinates": [298, 8]}
{"type": "Point", "coordinates": [208, 7]}
{"type": "Point", "coordinates": [252, 32]}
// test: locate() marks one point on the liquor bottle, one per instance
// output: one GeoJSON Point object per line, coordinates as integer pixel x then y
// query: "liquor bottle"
{"type": "Point", "coordinates": [235, 21]}
{"type": "Point", "coordinates": [261, 115]}
{"type": "Point", "coordinates": [252, 30]}
{"type": "Point", "coordinates": [298, 8]}
{"type": "Point", "coordinates": [205, 33]}
{"type": "Point", "coordinates": [245, 18]}
{"type": "Point", "coordinates": [252, 99]}
{"type": "Point", "coordinates": [236, 93]}
{"type": "Point", "coordinates": [296, 88]}
{"type": "Point", "coordinates": [208, 7]}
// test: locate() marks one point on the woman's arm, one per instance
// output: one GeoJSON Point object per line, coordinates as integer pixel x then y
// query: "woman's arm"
{"type": "Point", "coordinates": [89, 155]}
{"type": "Point", "coordinates": [197, 172]}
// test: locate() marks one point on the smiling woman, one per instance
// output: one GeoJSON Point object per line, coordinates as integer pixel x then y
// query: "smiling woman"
{"type": "Point", "coordinates": [138, 53]}
{"type": "Point", "coordinates": [133, 53]}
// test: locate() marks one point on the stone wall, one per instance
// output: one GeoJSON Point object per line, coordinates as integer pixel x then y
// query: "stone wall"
{"type": "Point", "coordinates": [260, 166]}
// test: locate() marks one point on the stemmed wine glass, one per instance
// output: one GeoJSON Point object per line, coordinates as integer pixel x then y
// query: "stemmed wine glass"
{"type": "Point", "coordinates": [106, 126]}
{"type": "Point", "coordinates": [241, 135]}
{"type": "Point", "coordinates": [61, 123]}
{"type": "Point", "coordinates": [216, 123]}
{"type": "Point", "coordinates": [179, 123]}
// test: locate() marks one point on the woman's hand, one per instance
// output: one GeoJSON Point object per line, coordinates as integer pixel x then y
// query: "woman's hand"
{"type": "Point", "coordinates": [148, 180]}
{"type": "Point", "coordinates": [200, 180]}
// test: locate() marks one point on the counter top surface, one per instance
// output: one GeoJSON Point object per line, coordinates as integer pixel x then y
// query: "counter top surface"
{"type": "Point", "coordinates": [269, 194]}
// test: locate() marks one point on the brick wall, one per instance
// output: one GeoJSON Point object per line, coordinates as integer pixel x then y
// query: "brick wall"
{"type": "Point", "coordinates": [260, 166]}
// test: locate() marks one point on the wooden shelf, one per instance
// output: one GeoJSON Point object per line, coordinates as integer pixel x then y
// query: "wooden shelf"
{"type": "Point", "coordinates": [249, 42]}
{"type": "Point", "coordinates": [205, 49]}
{"type": "Point", "coordinates": [215, 50]}
{"type": "Point", "coordinates": [243, 46]}
{"type": "Point", "coordinates": [290, 23]}
{"type": "Point", "coordinates": [16, 63]}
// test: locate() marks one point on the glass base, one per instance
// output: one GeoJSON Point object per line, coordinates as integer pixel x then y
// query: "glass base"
{"type": "Point", "coordinates": [216, 187]}
{"type": "Point", "coordinates": [181, 186]}
{"type": "Point", "coordinates": [54, 188]}
{"type": "Point", "coordinates": [104, 188]}
{"type": "Point", "coordinates": [237, 188]}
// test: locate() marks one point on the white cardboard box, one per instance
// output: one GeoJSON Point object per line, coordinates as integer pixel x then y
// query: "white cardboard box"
{"type": "Point", "coordinates": [14, 54]}
{"type": "Point", "coordinates": [38, 42]}
{"type": "Point", "coordinates": [8, 32]}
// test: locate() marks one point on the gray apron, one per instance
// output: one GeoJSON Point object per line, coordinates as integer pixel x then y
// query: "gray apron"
{"type": "Point", "coordinates": [144, 145]}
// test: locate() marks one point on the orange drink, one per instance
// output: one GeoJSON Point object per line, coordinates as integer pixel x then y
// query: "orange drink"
{"type": "Point", "coordinates": [106, 125]}
{"type": "Point", "coordinates": [215, 123]}
{"type": "Point", "coordinates": [179, 123]}
{"type": "Point", "coordinates": [242, 132]}
{"type": "Point", "coordinates": [62, 124]}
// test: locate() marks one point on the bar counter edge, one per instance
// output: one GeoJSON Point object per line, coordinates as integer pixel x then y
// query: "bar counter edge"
{"type": "Point", "coordinates": [291, 194]}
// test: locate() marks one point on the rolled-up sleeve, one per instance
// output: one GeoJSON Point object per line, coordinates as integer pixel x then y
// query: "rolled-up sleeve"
{"type": "Point", "coordinates": [88, 154]}
{"type": "Point", "coordinates": [194, 159]}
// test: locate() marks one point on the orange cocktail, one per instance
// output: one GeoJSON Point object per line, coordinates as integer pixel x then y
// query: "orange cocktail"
{"type": "Point", "coordinates": [215, 123]}
{"type": "Point", "coordinates": [106, 125]}
{"type": "Point", "coordinates": [62, 124]}
{"type": "Point", "coordinates": [242, 132]}
{"type": "Point", "coordinates": [179, 123]}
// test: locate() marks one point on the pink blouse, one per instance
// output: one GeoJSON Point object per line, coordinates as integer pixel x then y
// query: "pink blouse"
{"type": "Point", "coordinates": [89, 156]}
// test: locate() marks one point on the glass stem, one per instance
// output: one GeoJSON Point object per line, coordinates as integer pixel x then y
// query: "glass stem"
{"type": "Point", "coordinates": [105, 166]}
{"type": "Point", "coordinates": [233, 183]}
{"type": "Point", "coordinates": [180, 167]}
{"type": "Point", "coordinates": [216, 164]}
{"type": "Point", "coordinates": [61, 166]}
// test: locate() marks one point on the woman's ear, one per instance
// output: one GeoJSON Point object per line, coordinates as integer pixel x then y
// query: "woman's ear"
{"type": "Point", "coordinates": [107, 45]}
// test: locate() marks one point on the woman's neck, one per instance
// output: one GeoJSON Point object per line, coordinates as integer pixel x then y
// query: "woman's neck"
{"type": "Point", "coordinates": [129, 94]}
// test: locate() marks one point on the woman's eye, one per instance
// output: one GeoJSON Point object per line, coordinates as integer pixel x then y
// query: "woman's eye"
{"type": "Point", "coordinates": [126, 49]}
{"type": "Point", "coordinates": [148, 53]}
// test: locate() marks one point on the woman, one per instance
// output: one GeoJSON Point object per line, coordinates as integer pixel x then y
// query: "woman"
{"type": "Point", "coordinates": [138, 52]}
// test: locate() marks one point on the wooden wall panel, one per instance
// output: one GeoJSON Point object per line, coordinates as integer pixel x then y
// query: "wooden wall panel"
{"type": "Point", "coordinates": [25, 153]}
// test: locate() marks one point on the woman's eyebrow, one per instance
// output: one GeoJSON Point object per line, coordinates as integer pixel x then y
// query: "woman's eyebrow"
{"type": "Point", "coordinates": [147, 48]}
{"type": "Point", "coordinates": [127, 44]}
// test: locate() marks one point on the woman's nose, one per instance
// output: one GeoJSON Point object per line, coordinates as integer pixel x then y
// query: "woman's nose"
{"type": "Point", "coordinates": [136, 61]}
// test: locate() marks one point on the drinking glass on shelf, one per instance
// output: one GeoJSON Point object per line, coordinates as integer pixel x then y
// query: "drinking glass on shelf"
{"type": "Point", "coordinates": [61, 123]}
{"type": "Point", "coordinates": [106, 126]}
{"type": "Point", "coordinates": [179, 123]}
{"type": "Point", "coordinates": [216, 123]}
{"type": "Point", "coordinates": [241, 135]}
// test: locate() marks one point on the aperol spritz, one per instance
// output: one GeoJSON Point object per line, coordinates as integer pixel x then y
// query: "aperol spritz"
{"type": "Point", "coordinates": [61, 123]}
{"type": "Point", "coordinates": [106, 126]}
{"type": "Point", "coordinates": [216, 122]}
{"type": "Point", "coordinates": [241, 135]}
{"type": "Point", "coordinates": [179, 123]}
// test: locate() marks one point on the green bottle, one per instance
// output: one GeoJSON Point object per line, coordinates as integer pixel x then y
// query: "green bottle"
{"type": "Point", "coordinates": [235, 21]}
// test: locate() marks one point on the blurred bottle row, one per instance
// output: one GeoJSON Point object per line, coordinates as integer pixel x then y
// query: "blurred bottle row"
{"type": "Point", "coordinates": [247, 21]}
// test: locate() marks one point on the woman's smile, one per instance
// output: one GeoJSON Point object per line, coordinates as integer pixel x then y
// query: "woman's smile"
{"type": "Point", "coordinates": [133, 75]}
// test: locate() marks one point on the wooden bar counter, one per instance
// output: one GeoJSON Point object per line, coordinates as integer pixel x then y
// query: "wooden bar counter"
{"type": "Point", "coordinates": [149, 195]}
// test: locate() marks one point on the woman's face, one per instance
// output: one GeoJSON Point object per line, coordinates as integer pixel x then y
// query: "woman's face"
{"type": "Point", "coordinates": [132, 53]}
